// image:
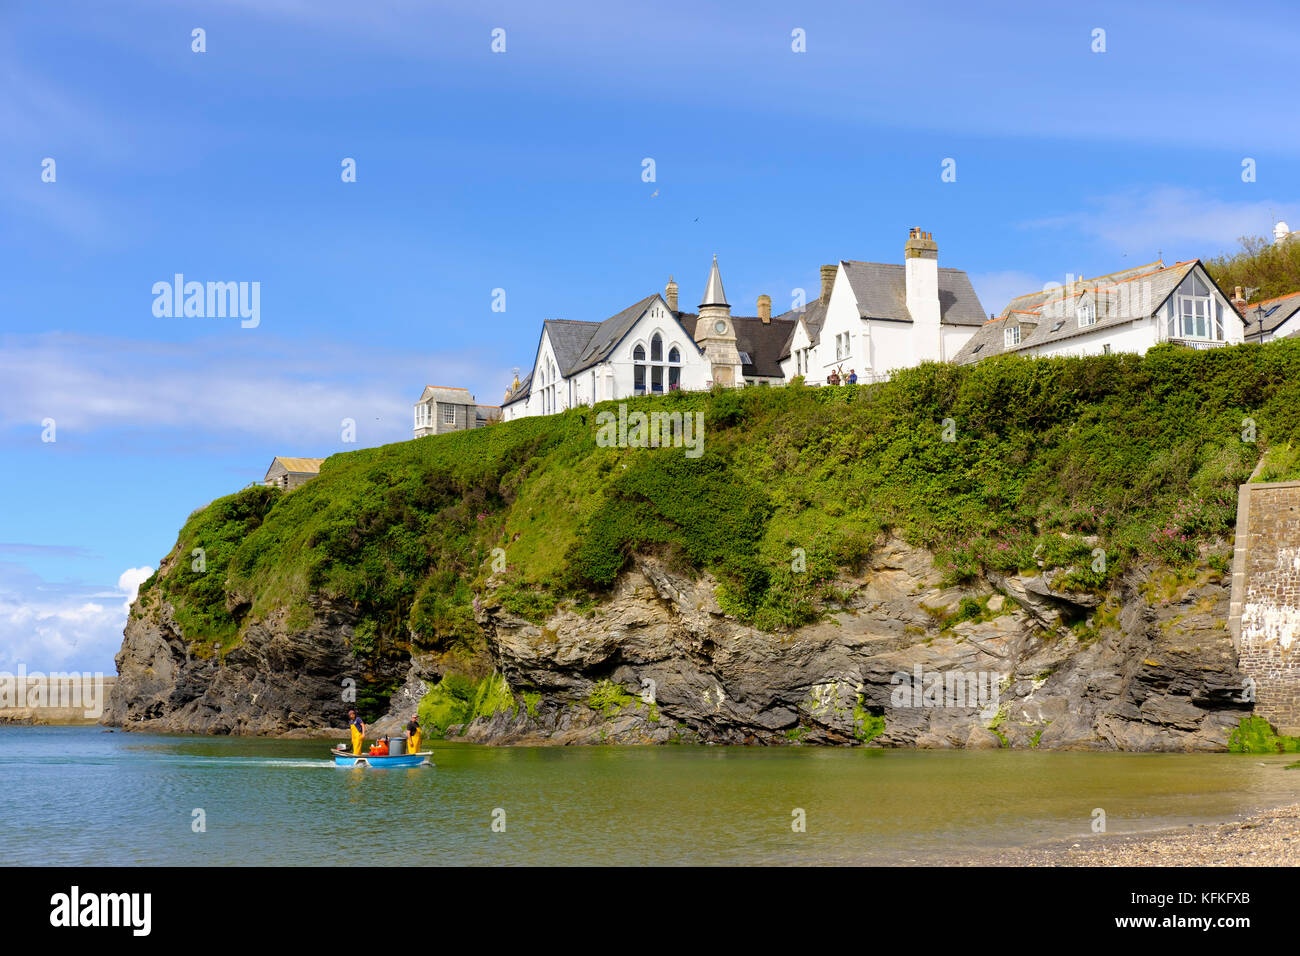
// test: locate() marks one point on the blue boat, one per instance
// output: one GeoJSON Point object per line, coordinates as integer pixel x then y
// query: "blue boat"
{"type": "Point", "coordinates": [349, 759]}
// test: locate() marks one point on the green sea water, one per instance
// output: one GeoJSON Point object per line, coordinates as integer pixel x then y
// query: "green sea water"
{"type": "Point", "coordinates": [83, 796]}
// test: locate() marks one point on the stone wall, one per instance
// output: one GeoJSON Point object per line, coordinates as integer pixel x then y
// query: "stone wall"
{"type": "Point", "coordinates": [1265, 612]}
{"type": "Point", "coordinates": [57, 698]}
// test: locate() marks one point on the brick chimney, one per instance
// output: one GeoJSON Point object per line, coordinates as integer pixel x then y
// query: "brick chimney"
{"type": "Point", "coordinates": [921, 275]}
{"type": "Point", "coordinates": [828, 280]}
{"type": "Point", "coordinates": [1238, 300]}
{"type": "Point", "coordinates": [670, 294]}
{"type": "Point", "coordinates": [765, 308]}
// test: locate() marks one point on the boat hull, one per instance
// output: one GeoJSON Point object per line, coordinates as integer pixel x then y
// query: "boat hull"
{"type": "Point", "coordinates": [365, 760]}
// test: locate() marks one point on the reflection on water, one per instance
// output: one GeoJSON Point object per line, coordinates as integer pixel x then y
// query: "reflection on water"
{"type": "Point", "coordinates": [79, 795]}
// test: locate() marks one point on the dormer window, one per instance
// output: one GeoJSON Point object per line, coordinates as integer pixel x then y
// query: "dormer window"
{"type": "Point", "coordinates": [1087, 314]}
{"type": "Point", "coordinates": [1196, 314]}
{"type": "Point", "coordinates": [1011, 336]}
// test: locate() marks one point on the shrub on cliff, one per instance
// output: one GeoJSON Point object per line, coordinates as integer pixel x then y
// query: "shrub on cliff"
{"type": "Point", "coordinates": [994, 466]}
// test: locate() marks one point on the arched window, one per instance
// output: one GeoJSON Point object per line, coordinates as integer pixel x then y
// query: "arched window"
{"type": "Point", "coordinates": [638, 370]}
{"type": "Point", "coordinates": [656, 348]}
{"type": "Point", "coordinates": [674, 369]}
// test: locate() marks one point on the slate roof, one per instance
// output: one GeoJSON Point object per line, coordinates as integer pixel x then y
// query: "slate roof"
{"type": "Point", "coordinates": [881, 291]}
{"type": "Point", "coordinates": [759, 343]}
{"type": "Point", "coordinates": [814, 317]}
{"type": "Point", "coordinates": [522, 392]}
{"type": "Point", "coordinates": [1051, 315]}
{"type": "Point", "coordinates": [1276, 311]}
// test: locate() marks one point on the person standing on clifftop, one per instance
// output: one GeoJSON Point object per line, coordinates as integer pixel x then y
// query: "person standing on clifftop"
{"type": "Point", "coordinates": [358, 727]}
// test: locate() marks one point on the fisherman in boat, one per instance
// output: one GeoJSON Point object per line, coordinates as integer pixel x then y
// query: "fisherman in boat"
{"type": "Point", "coordinates": [413, 735]}
{"type": "Point", "coordinates": [358, 727]}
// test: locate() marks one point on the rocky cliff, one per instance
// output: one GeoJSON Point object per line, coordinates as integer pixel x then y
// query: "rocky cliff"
{"type": "Point", "coordinates": [892, 664]}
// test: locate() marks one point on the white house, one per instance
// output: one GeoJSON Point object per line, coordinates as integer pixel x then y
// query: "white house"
{"type": "Point", "coordinates": [874, 318]}
{"type": "Point", "coordinates": [1274, 318]}
{"type": "Point", "coordinates": [1127, 311]}
{"type": "Point", "coordinates": [650, 348]}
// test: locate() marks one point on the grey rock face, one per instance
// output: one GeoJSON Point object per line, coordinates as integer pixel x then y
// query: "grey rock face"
{"type": "Point", "coordinates": [1147, 674]}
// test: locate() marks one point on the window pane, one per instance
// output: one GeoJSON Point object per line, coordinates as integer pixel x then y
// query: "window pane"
{"type": "Point", "coordinates": [638, 353]}
{"type": "Point", "coordinates": [674, 377]}
{"type": "Point", "coordinates": [638, 379]}
{"type": "Point", "coordinates": [674, 355]}
{"type": "Point", "coordinates": [657, 378]}
{"type": "Point", "coordinates": [656, 349]}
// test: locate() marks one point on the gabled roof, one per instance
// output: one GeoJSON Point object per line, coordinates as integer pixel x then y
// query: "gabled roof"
{"type": "Point", "coordinates": [297, 466]}
{"type": "Point", "coordinates": [1051, 315]}
{"type": "Point", "coordinates": [446, 393]}
{"type": "Point", "coordinates": [519, 394]}
{"type": "Point", "coordinates": [766, 343]}
{"type": "Point", "coordinates": [606, 335]}
{"type": "Point", "coordinates": [881, 291]}
{"type": "Point", "coordinates": [1276, 311]}
{"type": "Point", "coordinates": [568, 339]}
{"type": "Point", "coordinates": [814, 317]}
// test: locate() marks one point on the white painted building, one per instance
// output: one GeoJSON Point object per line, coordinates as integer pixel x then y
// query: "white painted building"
{"type": "Point", "coordinates": [874, 318]}
{"type": "Point", "coordinates": [1128, 311]}
{"type": "Point", "coordinates": [649, 348]}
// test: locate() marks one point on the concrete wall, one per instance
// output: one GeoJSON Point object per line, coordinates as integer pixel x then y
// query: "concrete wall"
{"type": "Point", "coordinates": [1265, 614]}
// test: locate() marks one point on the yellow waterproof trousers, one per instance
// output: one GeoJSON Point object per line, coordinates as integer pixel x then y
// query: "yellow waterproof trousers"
{"type": "Point", "coordinates": [414, 743]}
{"type": "Point", "coordinates": [356, 741]}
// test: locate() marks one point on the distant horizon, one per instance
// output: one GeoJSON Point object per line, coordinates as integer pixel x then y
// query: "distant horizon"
{"type": "Point", "coordinates": [382, 180]}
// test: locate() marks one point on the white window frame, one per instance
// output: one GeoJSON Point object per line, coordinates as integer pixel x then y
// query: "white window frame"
{"type": "Point", "coordinates": [1010, 336]}
{"type": "Point", "coordinates": [449, 414]}
{"type": "Point", "coordinates": [1086, 314]}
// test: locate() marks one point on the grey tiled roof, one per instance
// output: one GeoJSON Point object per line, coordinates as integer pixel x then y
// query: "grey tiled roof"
{"type": "Point", "coordinates": [1052, 315]}
{"type": "Point", "coordinates": [525, 387]}
{"type": "Point", "coordinates": [569, 339]}
{"type": "Point", "coordinates": [1276, 311]}
{"type": "Point", "coordinates": [881, 291]}
{"type": "Point", "coordinates": [764, 341]}
{"type": "Point", "coordinates": [605, 335]}
{"type": "Point", "coordinates": [814, 317]}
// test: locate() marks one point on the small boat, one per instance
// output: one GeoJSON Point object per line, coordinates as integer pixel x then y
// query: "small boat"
{"type": "Point", "coordinates": [345, 758]}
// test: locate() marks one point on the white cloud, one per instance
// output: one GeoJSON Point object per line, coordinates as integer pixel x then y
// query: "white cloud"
{"type": "Point", "coordinates": [46, 626]}
{"type": "Point", "coordinates": [1170, 222]}
{"type": "Point", "coordinates": [129, 582]}
{"type": "Point", "coordinates": [253, 385]}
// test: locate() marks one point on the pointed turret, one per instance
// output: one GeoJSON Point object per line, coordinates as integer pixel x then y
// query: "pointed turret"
{"type": "Point", "coordinates": [713, 294]}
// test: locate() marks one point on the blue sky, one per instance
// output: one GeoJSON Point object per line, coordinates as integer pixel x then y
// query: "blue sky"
{"type": "Point", "coordinates": [522, 171]}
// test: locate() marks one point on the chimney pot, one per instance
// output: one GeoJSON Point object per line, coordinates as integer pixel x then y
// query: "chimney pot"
{"type": "Point", "coordinates": [670, 294]}
{"type": "Point", "coordinates": [765, 308]}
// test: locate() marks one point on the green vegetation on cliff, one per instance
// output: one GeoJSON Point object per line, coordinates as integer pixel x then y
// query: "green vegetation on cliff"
{"type": "Point", "coordinates": [1048, 461]}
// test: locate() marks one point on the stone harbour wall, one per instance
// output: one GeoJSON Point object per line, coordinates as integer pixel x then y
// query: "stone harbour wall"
{"type": "Point", "coordinates": [1265, 610]}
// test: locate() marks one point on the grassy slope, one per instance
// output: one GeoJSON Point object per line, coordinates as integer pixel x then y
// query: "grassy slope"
{"type": "Point", "coordinates": [1144, 452]}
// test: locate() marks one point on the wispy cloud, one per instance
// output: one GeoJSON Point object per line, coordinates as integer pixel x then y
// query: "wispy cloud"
{"type": "Point", "coordinates": [253, 385]}
{"type": "Point", "coordinates": [1173, 221]}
